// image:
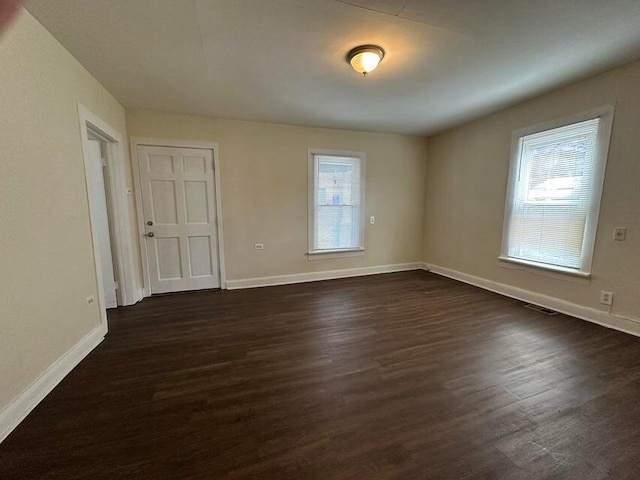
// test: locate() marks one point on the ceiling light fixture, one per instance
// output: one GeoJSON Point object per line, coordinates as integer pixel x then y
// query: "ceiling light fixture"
{"type": "Point", "coordinates": [365, 58]}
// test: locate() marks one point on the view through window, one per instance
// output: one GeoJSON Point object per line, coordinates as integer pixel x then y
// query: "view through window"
{"type": "Point", "coordinates": [555, 186]}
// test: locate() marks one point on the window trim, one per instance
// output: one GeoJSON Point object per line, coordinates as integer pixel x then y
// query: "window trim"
{"type": "Point", "coordinates": [311, 202]}
{"type": "Point", "coordinates": [605, 113]}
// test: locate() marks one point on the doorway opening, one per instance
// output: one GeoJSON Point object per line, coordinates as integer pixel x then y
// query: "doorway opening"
{"type": "Point", "coordinates": [102, 214]}
{"type": "Point", "coordinates": [108, 197]}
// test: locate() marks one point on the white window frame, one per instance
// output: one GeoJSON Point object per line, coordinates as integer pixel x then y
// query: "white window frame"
{"type": "Point", "coordinates": [605, 113]}
{"type": "Point", "coordinates": [312, 253]}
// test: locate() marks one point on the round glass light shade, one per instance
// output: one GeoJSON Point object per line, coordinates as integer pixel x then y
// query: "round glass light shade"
{"type": "Point", "coordinates": [366, 58]}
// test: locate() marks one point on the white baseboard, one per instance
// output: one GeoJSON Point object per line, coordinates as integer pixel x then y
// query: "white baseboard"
{"type": "Point", "coordinates": [316, 276]}
{"type": "Point", "coordinates": [17, 410]}
{"type": "Point", "coordinates": [606, 319]}
{"type": "Point", "coordinates": [140, 295]}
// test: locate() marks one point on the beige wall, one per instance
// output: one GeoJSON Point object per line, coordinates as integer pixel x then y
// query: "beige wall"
{"type": "Point", "coordinates": [264, 190]}
{"type": "Point", "coordinates": [46, 256]}
{"type": "Point", "coordinates": [466, 187]}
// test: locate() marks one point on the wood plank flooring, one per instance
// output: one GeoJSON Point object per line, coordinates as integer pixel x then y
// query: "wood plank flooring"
{"type": "Point", "coordinates": [405, 375]}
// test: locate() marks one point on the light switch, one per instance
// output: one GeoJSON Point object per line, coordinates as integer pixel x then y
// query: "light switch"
{"type": "Point", "coordinates": [372, 220]}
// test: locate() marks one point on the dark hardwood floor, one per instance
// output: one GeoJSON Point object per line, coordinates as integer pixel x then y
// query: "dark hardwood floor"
{"type": "Point", "coordinates": [407, 375]}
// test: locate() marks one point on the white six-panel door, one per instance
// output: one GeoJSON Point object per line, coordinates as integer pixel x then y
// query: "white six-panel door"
{"type": "Point", "coordinates": [178, 201]}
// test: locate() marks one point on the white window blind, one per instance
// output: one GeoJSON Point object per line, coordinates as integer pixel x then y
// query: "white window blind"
{"type": "Point", "coordinates": [337, 203]}
{"type": "Point", "coordinates": [553, 199]}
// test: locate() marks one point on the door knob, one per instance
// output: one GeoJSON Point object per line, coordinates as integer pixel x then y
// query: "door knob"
{"type": "Point", "coordinates": [150, 223]}
{"type": "Point", "coordinates": [150, 234]}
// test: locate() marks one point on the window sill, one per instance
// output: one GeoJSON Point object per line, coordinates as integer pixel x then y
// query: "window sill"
{"type": "Point", "coordinates": [337, 253]}
{"type": "Point", "coordinates": [544, 266]}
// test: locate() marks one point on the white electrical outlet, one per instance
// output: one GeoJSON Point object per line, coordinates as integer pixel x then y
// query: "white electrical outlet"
{"type": "Point", "coordinates": [620, 234]}
{"type": "Point", "coordinates": [606, 298]}
{"type": "Point", "coordinates": [90, 300]}
{"type": "Point", "coordinates": [372, 220]}
{"type": "Point", "coordinates": [259, 246]}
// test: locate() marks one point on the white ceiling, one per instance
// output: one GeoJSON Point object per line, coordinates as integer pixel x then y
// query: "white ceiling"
{"type": "Point", "coordinates": [283, 60]}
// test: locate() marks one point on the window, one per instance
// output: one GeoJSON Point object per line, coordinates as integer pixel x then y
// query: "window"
{"type": "Point", "coordinates": [553, 196]}
{"type": "Point", "coordinates": [336, 202]}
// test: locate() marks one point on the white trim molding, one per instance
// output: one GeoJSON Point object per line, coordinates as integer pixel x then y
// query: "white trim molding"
{"type": "Point", "coordinates": [18, 410]}
{"type": "Point", "coordinates": [134, 143]}
{"type": "Point", "coordinates": [601, 317]}
{"type": "Point", "coordinates": [333, 254]}
{"type": "Point", "coordinates": [546, 267]}
{"type": "Point", "coordinates": [118, 197]}
{"type": "Point", "coordinates": [324, 275]}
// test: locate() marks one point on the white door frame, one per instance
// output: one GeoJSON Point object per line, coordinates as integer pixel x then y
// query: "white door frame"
{"type": "Point", "coordinates": [118, 200]}
{"type": "Point", "coordinates": [135, 142]}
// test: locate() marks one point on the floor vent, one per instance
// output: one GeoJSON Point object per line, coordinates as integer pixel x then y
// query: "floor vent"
{"type": "Point", "coordinates": [538, 308]}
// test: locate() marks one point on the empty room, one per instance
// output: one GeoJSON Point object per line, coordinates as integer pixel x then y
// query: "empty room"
{"type": "Point", "coordinates": [319, 239]}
